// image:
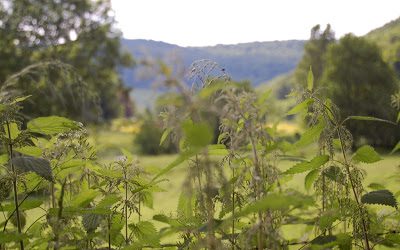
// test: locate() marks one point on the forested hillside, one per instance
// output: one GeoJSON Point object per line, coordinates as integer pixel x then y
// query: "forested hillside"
{"type": "Point", "coordinates": [257, 62]}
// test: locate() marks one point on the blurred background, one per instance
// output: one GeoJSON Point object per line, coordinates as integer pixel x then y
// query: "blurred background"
{"type": "Point", "coordinates": [110, 64]}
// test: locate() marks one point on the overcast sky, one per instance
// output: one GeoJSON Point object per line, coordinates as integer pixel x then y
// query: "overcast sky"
{"type": "Point", "coordinates": [210, 22]}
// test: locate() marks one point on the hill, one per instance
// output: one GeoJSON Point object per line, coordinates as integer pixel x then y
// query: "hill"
{"type": "Point", "coordinates": [388, 39]}
{"type": "Point", "coordinates": [257, 61]}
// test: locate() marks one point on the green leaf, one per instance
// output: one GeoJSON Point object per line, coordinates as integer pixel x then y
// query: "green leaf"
{"type": "Point", "coordinates": [368, 118]}
{"type": "Point", "coordinates": [334, 173]}
{"type": "Point", "coordinates": [273, 201]}
{"type": "Point", "coordinates": [91, 222]}
{"type": "Point", "coordinates": [381, 197]}
{"type": "Point", "coordinates": [397, 147]}
{"type": "Point", "coordinates": [316, 162]}
{"type": "Point", "coordinates": [310, 178]}
{"type": "Point", "coordinates": [28, 204]}
{"type": "Point", "coordinates": [310, 135]}
{"type": "Point", "coordinates": [185, 205]}
{"type": "Point", "coordinates": [3, 159]}
{"type": "Point", "coordinates": [51, 125]}
{"type": "Point", "coordinates": [324, 240]}
{"type": "Point", "coordinates": [376, 186]}
{"type": "Point", "coordinates": [108, 201]}
{"type": "Point", "coordinates": [197, 135]}
{"type": "Point", "coordinates": [327, 218]}
{"type": "Point", "coordinates": [366, 154]}
{"type": "Point", "coordinates": [303, 106]}
{"type": "Point", "coordinates": [30, 150]}
{"type": "Point", "coordinates": [20, 99]}
{"type": "Point", "coordinates": [14, 131]}
{"type": "Point", "coordinates": [310, 80]}
{"type": "Point", "coordinates": [39, 166]}
{"type": "Point", "coordinates": [181, 158]}
{"type": "Point", "coordinates": [165, 135]}
{"type": "Point", "coordinates": [211, 89]}
{"type": "Point", "coordinates": [217, 149]}
{"type": "Point", "coordinates": [7, 237]}
{"type": "Point", "coordinates": [83, 198]}
{"type": "Point", "coordinates": [264, 96]}
{"type": "Point", "coordinates": [146, 233]}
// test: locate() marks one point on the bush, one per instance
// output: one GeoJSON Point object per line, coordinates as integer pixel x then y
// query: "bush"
{"type": "Point", "coordinates": [148, 138]}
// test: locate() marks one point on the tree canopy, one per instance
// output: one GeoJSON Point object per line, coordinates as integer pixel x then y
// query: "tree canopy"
{"type": "Point", "coordinates": [77, 33]}
{"type": "Point", "coordinates": [360, 82]}
{"type": "Point", "coordinates": [314, 55]}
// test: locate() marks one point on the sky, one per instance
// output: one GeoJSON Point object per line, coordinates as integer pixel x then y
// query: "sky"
{"type": "Point", "coordinates": [211, 22]}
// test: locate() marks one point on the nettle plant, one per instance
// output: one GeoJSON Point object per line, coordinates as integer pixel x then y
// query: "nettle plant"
{"type": "Point", "coordinates": [51, 168]}
{"type": "Point", "coordinates": [344, 219]}
{"type": "Point", "coordinates": [235, 194]}
{"type": "Point", "coordinates": [56, 194]}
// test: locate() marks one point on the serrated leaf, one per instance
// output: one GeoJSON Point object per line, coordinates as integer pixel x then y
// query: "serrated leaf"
{"type": "Point", "coordinates": [274, 201]}
{"type": "Point", "coordinates": [310, 80]}
{"type": "Point", "coordinates": [26, 205]}
{"type": "Point", "coordinates": [91, 222]}
{"type": "Point", "coordinates": [14, 131]}
{"type": "Point", "coordinates": [300, 107]}
{"type": "Point", "coordinates": [108, 201]}
{"type": "Point", "coordinates": [20, 99]}
{"type": "Point", "coordinates": [316, 162]}
{"type": "Point", "coordinates": [310, 178]}
{"type": "Point", "coordinates": [30, 150]}
{"type": "Point", "coordinates": [7, 237]}
{"type": "Point", "coordinates": [380, 197]}
{"type": "Point", "coordinates": [83, 198]}
{"type": "Point", "coordinates": [39, 166]}
{"type": "Point", "coordinates": [311, 135]}
{"type": "Point", "coordinates": [51, 125]}
{"type": "Point", "coordinates": [366, 154]}
{"type": "Point", "coordinates": [146, 233]}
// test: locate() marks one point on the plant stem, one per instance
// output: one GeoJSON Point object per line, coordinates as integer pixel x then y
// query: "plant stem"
{"type": "Point", "coordinates": [364, 225]}
{"type": "Point", "coordinates": [15, 190]}
{"type": "Point", "coordinates": [258, 192]}
{"type": "Point", "coordinates": [126, 208]}
{"type": "Point", "coordinates": [233, 209]}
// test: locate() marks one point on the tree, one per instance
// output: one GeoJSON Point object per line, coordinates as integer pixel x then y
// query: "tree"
{"type": "Point", "coordinates": [78, 33]}
{"type": "Point", "coordinates": [314, 55]}
{"type": "Point", "coordinates": [360, 83]}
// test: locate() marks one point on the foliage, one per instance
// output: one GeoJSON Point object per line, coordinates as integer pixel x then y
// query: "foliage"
{"type": "Point", "coordinates": [387, 38]}
{"type": "Point", "coordinates": [235, 194]}
{"type": "Point", "coordinates": [357, 76]}
{"type": "Point", "coordinates": [314, 55]}
{"type": "Point", "coordinates": [148, 138]}
{"type": "Point", "coordinates": [77, 33]}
